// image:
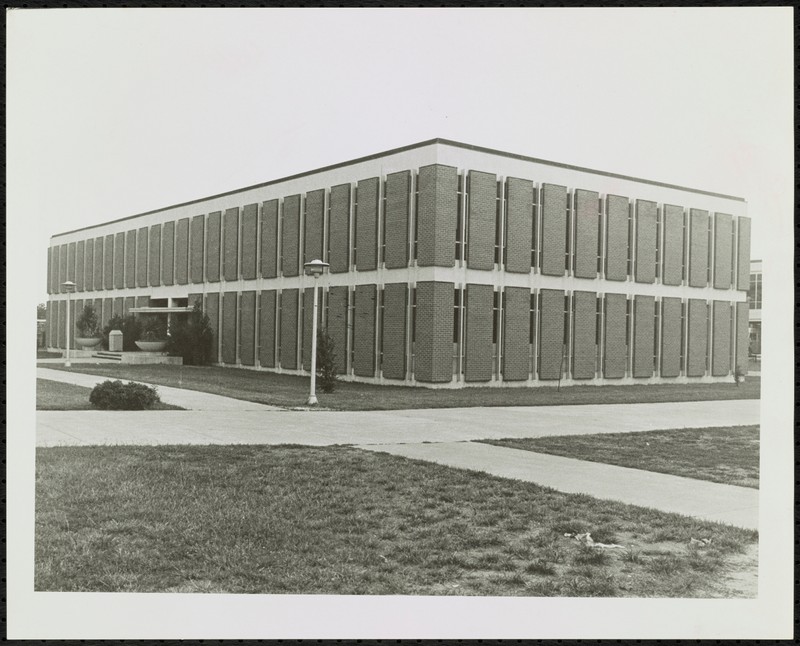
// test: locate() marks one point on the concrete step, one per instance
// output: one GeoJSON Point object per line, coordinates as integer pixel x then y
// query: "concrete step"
{"type": "Point", "coordinates": [112, 356]}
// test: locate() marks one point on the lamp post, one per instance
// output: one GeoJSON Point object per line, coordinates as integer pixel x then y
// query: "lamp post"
{"type": "Point", "coordinates": [315, 269]}
{"type": "Point", "coordinates": [68, 287]}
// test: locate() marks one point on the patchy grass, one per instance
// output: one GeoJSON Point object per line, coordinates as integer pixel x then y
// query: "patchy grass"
{"type": "Point", "coordinates": [54, 395]}
{"type": "Point", "coordinates": [292, 390]}
{"type": "Point", "coordinates": [336, 520]}
{"type": "Point", "coordinates": [44, 354]}
{"type": "Point", "coordinates": [724, 454]}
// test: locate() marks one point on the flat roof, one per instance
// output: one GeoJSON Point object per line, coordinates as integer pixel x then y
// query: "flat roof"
{"type": "Point", "coordinates": [393, 151]}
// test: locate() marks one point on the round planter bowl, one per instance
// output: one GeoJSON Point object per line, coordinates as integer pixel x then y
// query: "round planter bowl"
{"type": "Point", "coordinates": [87, 341]}
{"type": "Point", "coordinates": [151, 346]}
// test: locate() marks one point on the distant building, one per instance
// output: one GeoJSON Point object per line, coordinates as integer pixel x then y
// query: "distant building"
{"type": "Point", "coordinates": [450, 265]}
{"type": "Point", "coordinates": [754, 298]}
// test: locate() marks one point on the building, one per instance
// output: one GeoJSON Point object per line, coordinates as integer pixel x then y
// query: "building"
{"type": "Point", "coordinates": [450, 265]}
{"type": "Point", "coordinates": [754, 297]}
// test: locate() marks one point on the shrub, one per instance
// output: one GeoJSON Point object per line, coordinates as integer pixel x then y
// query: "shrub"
{"type": "Point", "coordinates": [326, 361]}
{"type": "Point", "coordinates": [154, 328]}
{"type": "Point", "coordinates": [130, 327]}
{"type": "Point", "coordinates": [115, 395]}
{"type": "Point", "coordinates": [87, 324]}
{"type": "Point", "coordinates": [192, 337]}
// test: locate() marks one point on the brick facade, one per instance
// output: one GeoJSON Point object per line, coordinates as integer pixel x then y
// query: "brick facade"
{"type": "Point", "coordinates": [437, 209]}
{"type": "Point", "coordinates": [119, 261]}
{"type": "Point", "coordinates": [615, 349]}
{"type": "Point", "coordinates": [551, 333]}
{"type": "Point", "coordinates": [79, 265]}
{"type": "Point", "coordinates": [212, 311]}
{"type": "Point", "coordinates": [213, 246]}
{"type": "Point", "coordinates": [433, 352]}
{"type": "Point", "coordinates": [698, 248]}
{"type": "Point", "coordinates": [266, 328]}
{"type": "Point", "coordinates": [479, 354]}
{"type": "Point", "coordinates": [399, 222]}
{"type": "Point", "coordinates": [229, 308]}
{"type": "Point", "coordinates": [398, 187]}
{"type": "Point", "coordinates": [698, 338]}
{"type": "Point", "coordinates": [196, 249]}
{"type": "Point", "coordinates": [516, 333]}
{"type": "Point", "coordinates": [167, 254]}
{"type": "Point", "coordinates": [249, 228]}
{"type": "Point", "coordinates": [646, 220]}
{"type": "Point", "coordinates": [721, 339]}
{"type": "Point", "coordinates": [742, 336]}
{"type": "Point", "coordinates": [288, 328]}
{"type": "Point", "coordinates": [367, 224]}
{"type": "Point", "coordinates": [395, 299]}
{"type": "Point", "coordinates": [617, 237]}
{"type": "Point", "coordinates": [290, 236]}
{"type": "Point", "coordinates": [584, 334]}
{"type": "Point", "coordinates": [644, 336]}
{"type": "Point", "coordinates": [671, 337]}
{"type": "Point", "coordinates": [230, 244]}
{"type": "Point", "coordinates": [269, 239]}
{"type": "Point", "coordinates": [339, 236]}
{"type": "Point", "coordinates": [723, 250]}
{"type": "Point", "coordinates": [182, 252]}
{"type": "Point", "coordinates": [743, 254]}
{"type": "Point", "coordinates": [89, 265]}
{"type": "Point", "coordinates": [153, 261]}
{"type": "Point", "coordinates": [554, 229]}
{"type": "Point", "coordinates": [141, 257]}
{"type": "Point", "coordinates": [586, 229]}
{"type": "Point", "coordinates": [481, 220]}
{"type": "Point", "coordinates": [673, 245]}
{"type": "Point", "coordinates": [519, 227]}
{"type": "Point", "coordinates": [313, 225]}
{"type": "Point", "coordinates": [247, 328]}
{"type": "Point", "coordinates": [364, 330]}
{"type": "Point", "coordinates": [337, 325]}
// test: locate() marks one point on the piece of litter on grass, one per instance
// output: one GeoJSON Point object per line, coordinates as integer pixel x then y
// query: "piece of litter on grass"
{"type": "Point", "coordinates": [587, 540]}
{"type": "Point", "coordinates": [704, 542]}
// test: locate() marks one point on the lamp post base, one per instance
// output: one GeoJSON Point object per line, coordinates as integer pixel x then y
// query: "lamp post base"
{"type": "Point", "coordinates": [312, 401]}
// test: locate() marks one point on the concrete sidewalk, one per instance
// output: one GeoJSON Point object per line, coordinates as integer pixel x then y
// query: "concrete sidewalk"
{"type": "Point", "coordinates": [264, 426]}
{"type": "Point", "coordinates": [188, 399]}
{"type": "Point", "coordinates": [698, 498]}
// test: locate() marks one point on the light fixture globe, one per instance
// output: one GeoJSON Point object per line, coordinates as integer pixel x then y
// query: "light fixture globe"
{"type": "Point", "coordinates": [315, 267]}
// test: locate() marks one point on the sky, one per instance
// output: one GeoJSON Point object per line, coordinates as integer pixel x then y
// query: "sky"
{"type": "Point", "coordinates": [113, 112]}
{"type": "Point", "coordinates": [117, 112]}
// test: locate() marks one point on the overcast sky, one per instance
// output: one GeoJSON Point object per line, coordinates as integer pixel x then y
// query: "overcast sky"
{"type": "Point", "coordinates": [115, 112]}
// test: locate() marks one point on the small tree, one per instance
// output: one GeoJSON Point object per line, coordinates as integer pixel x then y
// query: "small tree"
{"type": "Point", "coordinates": [154, 328]}
{"type": "Point", "coordinates": [326, 361]}
{"type": "Point", "coordinates": [87, 324]}
{"type": "Point", "coordinates": [41, 311]}
{"type": "Point", "coordinates": [192, 337]}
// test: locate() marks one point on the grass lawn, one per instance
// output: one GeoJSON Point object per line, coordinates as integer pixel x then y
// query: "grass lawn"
{"type": "Point", "coordinates": [54, 395]}
{"type": "Point", "coordinates": [292, 390]}
{"type": "Point", "coordinates": [336, 520]}
{"type": "Point", "coordinates": [44, 354]}
{"type": "Point", "coordinates": [725, 454]}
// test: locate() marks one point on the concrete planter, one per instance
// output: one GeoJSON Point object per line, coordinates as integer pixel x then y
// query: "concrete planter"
{"type": "Point", "coordinates": [151, 346]}
{"type": "Point", "coordinates": [88, 341]}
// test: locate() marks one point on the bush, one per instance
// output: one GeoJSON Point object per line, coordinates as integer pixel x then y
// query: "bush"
{"type": "Point", "coordinates": [154, 328]}
{"type": "Point", "coordinates": [131, 330]}
{"type": "Point", "coordinates": [326, 361]}
{"type": "Point", "coordinates": [114, 395]}
{"type": "Point", "coordinates": [87, 324]}
{"type": "Point", "coordinates": [192, 337]}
